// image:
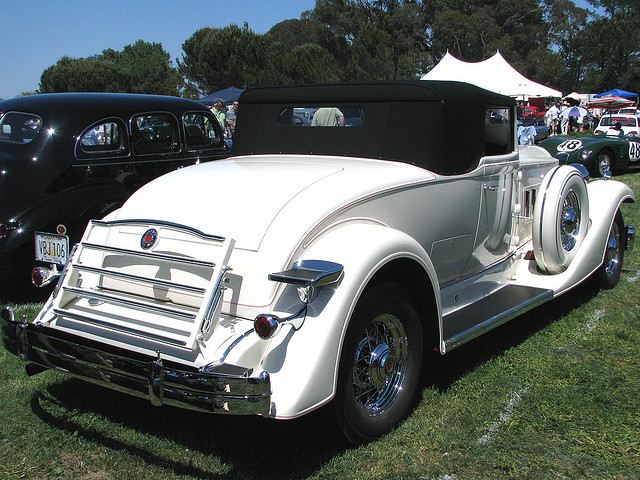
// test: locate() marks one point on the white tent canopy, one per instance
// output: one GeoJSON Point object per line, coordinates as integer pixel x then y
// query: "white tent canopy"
{"type": "Point", "coordinates": [495, 74]}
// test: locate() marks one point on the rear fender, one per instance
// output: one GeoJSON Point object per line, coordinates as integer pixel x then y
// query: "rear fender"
{"type": "Point", "coordinates": [303, 363]}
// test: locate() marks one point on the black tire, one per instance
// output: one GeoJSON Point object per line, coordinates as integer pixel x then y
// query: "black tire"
{"type": "Point", "coordinates": [380, 365]}
{"type": "Point", "coordinates": [608, 274]}
{"type": "Point", "coordinates": [603, 163]}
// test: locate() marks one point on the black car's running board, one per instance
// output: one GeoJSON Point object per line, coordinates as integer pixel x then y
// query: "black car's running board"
{"type": "Point", "coordinates": [492, 311]}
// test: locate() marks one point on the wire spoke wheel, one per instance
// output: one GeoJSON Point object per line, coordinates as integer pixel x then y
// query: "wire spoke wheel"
{"type": "Point", "coordinates": [603, 164]}
{"type": "Point", "coordinates": [570, 221]}
{"type": "Point", "coordinates": [380, 364]}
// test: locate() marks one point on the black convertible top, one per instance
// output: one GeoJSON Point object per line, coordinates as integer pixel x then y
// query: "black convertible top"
{"type": "Point", "coordinates": [439, 125]}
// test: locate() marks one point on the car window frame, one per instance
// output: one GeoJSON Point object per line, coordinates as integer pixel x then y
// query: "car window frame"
{"type": "Point", "coordinates": [178, 130]}
{"type": "Point", "coordinates": [17, 112]}
{"type": "Point", "coordinates": [124, 151]}
{"type": "Point", "coordinates": [219, 132]}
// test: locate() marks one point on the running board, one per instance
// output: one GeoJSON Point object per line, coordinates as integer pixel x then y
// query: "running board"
{"type": "Point", "coordinates": [492, 311]}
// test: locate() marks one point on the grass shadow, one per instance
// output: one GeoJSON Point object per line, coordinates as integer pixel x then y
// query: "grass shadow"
{"type": "Point", "coordinates": [256, 448]}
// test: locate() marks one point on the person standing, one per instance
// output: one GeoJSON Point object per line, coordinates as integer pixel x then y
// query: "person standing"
{"type": "Point", "coordinates": [232, 116]}
{"type": "Point", "coordinates": [551, 118]}
{"type": "Point", "coordinates": [219, 112]}
{"type": "Point", "coordinates": [328, 117]}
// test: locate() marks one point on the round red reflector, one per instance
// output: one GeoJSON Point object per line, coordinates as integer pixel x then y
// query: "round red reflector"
{"type": "Point", "coordinates": [265, 326]}
{"type": "Point", "coordinates": [36, 277]}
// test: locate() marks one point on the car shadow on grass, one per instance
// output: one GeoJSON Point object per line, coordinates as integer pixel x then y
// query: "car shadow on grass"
{"type": "Point", "coordinates": [252, 446]}
{"type": "Point", "coordinates": [444, 370]}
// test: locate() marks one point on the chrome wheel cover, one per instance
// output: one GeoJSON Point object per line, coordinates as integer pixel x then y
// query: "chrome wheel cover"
{"type": "Point", "coordinates": [570, 221]}
{"type": "Point", "coordinates": [604, 163]}
{"type": "Point", "coordinates": [612, 252]}
{"type": "Point", "coordinates": [380, 364]}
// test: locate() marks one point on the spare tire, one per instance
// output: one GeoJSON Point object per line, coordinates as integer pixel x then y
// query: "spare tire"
{"type": "Point", "coordinates": [560, 218]}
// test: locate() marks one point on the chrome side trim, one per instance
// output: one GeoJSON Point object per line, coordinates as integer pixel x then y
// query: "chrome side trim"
{"type": "Point", "coordinates": [475, 321]}
{"type": "Point", "coordinates": [143, 222]}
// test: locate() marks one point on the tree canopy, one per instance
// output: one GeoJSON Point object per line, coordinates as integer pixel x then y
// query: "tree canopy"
{"type": "Point", "coordinates": [139, 68]}
{"type": "Point", "coordinates": [553, 42]}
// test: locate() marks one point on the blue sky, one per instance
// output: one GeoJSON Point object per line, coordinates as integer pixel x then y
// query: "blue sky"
{"type": "Point", "coordinates": [37, 33]}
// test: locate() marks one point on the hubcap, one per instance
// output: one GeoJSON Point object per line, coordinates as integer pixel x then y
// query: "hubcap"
{"type": "Point", "coordinates": [570, 221]}
{"type": "Point", "coordinates": [380, 364]}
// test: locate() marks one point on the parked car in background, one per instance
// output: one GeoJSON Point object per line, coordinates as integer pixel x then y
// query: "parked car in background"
{"type": "Point", "coordinates": [533, 112]}
{"type": "Point", "coordinates": [618, 124]}
{"type": "Point", "coordinates": [628, 111]}
{"type": "Point", "coordinates": [66, 158]}
{"type": "Point", "coordinates": [319, 263]}
{"type": "Point", "coordinates": [599, 153]}
{"type": "Point", "coordinates": [539, 127]}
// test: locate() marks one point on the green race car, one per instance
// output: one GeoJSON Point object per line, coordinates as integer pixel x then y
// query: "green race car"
{"type": "Point", "coordinates": [599, 153]}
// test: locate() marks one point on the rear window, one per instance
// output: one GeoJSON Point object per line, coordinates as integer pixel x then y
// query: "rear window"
{"type": "Point", "coordinates": [154, 133]}
{"type": "Point", "coordinates": [322, 116]}
{"type": "Point", "coordinates": [624, 121]}
{"type": "Point", "coordinates": [18, 127]}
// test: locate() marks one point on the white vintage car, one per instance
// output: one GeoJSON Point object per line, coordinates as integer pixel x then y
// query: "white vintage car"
{"type": "Point", "coordinates": [321, 261]}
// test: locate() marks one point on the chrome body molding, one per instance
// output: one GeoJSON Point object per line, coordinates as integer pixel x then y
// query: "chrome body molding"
{"type": "Point", "coordinates": [227, 389]}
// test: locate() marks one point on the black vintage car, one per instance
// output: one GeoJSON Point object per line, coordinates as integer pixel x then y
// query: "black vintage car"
{"type": "Point", "coordinates": [69, 157]}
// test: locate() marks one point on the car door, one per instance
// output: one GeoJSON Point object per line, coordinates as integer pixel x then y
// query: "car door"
{"type": "Point", "coordinates": [496, 184]}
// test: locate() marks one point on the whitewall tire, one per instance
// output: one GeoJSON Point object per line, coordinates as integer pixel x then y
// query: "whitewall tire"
{"type": "Point", "coordinates": [560, 218]}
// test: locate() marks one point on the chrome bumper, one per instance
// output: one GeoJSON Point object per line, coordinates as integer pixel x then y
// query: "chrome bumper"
{"type": "Point", "coordinates": [228, 391]}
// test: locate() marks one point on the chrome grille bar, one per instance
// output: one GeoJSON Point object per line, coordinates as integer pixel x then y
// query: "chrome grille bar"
{"type": "Point", "coordinates": [129, 303]}
{"type": "Point", "coordinates": [137, 278]}
{"type": "Point", "coordinates": [172, 297]}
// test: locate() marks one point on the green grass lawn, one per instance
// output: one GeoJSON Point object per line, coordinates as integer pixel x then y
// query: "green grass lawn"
{"type": "Point", "coordinates": [553, 394]}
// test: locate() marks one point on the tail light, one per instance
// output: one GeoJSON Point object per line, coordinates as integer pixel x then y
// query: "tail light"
{"type": "Point", "coordinates": [41, 276]}
{"type": "Point", "coordinates": [266, 326]}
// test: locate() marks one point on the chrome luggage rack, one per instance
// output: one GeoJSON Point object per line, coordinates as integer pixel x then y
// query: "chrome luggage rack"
{"type": "Point", "coordinates": [143, 282]}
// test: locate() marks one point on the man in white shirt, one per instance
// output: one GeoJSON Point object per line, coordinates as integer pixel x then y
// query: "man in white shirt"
{"type": "Point", "coordinates": [551, 118]}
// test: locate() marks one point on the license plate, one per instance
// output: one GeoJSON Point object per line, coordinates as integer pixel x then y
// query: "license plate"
{"type": "Point", "coordinates": [52, 248]}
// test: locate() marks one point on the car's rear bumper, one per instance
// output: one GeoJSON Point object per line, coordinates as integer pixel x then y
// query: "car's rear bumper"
{"type": "Point", "coordinates": [228, 390]}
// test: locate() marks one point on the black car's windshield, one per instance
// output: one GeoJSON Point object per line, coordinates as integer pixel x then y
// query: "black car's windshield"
{"type": "Point", "coordinates": [18, 127]}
